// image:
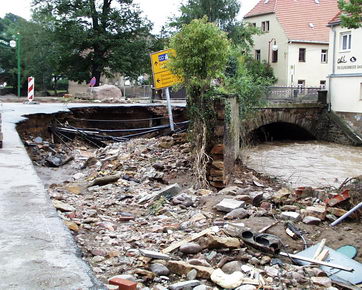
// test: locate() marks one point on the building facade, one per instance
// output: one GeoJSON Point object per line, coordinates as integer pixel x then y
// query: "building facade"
{"type": "Point", "coordinates": [345, 79]}
{"type": "Point", "coordinates": [295, 39]}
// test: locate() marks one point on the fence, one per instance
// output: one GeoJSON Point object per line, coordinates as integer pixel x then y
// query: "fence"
{"type": "Point", "coordinates": [146, 92]}
{"type": "Point", "coordinates": [139, 92]}
{"type": "Point", "coordinates": [293, 94]}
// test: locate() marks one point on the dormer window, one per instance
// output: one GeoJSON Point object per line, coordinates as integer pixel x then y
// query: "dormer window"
{"type": "Point", "coordinates": [266, 1]}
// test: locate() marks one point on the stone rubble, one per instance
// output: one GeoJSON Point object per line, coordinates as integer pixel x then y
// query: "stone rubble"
{"type": "Point", "coordinates": [130, 201]}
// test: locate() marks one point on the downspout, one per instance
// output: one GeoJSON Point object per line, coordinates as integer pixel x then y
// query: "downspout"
{"type": "Point", "coordinates": [333, 68]}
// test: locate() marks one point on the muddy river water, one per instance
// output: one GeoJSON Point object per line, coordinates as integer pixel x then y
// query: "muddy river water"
{"type": "Point", "coordinates": [310, 163]}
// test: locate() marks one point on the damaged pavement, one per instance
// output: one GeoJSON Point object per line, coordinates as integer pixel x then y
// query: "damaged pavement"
{"type": "Point", "coordinates": [139, 222]}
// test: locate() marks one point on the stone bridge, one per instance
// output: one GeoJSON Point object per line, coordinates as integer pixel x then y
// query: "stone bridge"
{"type": "Point", "coordinates": [308, 121]}
{"type": "Point", "coordinates": [296, 122]}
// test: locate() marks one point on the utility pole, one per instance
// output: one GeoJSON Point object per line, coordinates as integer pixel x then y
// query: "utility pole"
{"type": "Point", "coordinates": [18, 57]}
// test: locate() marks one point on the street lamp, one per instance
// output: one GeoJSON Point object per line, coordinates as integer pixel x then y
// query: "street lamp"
{"type": "Point", "coordinates": [274, 48]}
{"type": "Point", "coordinates": [16, 43]}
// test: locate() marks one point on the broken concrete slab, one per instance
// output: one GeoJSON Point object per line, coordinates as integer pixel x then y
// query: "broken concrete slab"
{"type": "Point", "coordinates": [62, 206]}
{"type": "Point", "coordinates": [154, 254]}
{"type": "Point", "coordinates": [227, 205]}
{"type": "Point", "coordinates": [318, 211]}
{"type": "Point", "coordinates": [184, 285]}
{"type": "Point", "coordinates": [311, 220]}
{"type": "Point", "coordinates": [290, 215]}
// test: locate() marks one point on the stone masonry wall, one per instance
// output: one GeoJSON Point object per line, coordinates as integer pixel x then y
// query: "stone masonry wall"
{"type": "Point", "coordinates": [224, 142]}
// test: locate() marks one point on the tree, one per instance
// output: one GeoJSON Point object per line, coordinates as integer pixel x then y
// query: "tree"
{"type": "Point", "coordinates": [351, 16]}
{"type": "Point", "coordinates": [202, 52]}
{"type": "Point", "coordinates": [38, 53]}
{"type": "Point", "coordinates": [8, 30]}
{"type": "Point", "coordinates": [221, 12]}
{"type": "Point", "coordinates": [96, 37]}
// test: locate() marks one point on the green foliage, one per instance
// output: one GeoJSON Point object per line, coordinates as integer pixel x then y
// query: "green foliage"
{"type": "Point", "coordinates": [202, 54]}
{"type": "Point", "coordinates": [8, 64]}
{"type": "Point", "coordinates": [351, 16]}
{"type": "Point", "coordinates": [220, 12]}
{"type": "Point", "coordinates": [39, 54]}
{"type": "Point", "coordinates": [248, 79]}
{"type": "Point", "coordinates": [96, 38]}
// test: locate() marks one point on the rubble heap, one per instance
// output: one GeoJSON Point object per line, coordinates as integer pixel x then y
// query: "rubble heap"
{"type": "Point", "coordinates": [135, 215]}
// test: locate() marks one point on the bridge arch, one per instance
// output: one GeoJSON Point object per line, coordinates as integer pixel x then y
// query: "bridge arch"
{"type": "Point", "coordinates": [272, 124]}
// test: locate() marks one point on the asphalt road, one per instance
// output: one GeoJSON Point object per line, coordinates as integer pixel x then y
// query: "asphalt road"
{"type": "Point", "coordinates": [36, 250]}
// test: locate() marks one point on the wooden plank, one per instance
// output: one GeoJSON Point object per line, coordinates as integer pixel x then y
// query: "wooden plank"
{"type": "Point", "coordinates": [319, 249]}
{"type": "Point", "coordinates": [323, 255]}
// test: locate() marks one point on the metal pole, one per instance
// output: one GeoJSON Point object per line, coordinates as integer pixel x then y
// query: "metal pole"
{"type": "Point", "coordinates": [18, 57]}
{"type": "Point", "coordinates": [172, 127]}
{"type": "Point", "coordinates": [347, 214]}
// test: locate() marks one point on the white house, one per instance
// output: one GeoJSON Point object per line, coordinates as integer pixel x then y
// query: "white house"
{"type": "Point", "coordinates": [295, 39]}
{"type": "Point", "coordinates": [345, 79]}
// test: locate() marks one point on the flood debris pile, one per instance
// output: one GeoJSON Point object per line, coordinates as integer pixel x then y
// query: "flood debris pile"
{"type": "Point", "coordinates": [45, 153]}
{"type": "Point", "coordinates": [138, 221]}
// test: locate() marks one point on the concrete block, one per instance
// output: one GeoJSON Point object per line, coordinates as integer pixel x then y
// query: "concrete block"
{"type": "Point", "coordinates": [227, 204]}
{"type": "Point", "coordinates": [290, 215]}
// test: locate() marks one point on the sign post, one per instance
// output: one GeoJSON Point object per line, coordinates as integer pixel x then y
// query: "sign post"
{"type": "Point", "coordinates": [170, 116]}
{"type": "Point", "coordinates": [30, 89]}
{"type": "Point", "coordinates": [163, 78]}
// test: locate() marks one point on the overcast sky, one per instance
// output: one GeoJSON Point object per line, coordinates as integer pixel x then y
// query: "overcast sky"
{"type": "Point", "coordinates": [158, 11]}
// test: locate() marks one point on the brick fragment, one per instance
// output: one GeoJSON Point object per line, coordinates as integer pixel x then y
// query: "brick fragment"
{"type": "Point", "coordinates": [123, 284]}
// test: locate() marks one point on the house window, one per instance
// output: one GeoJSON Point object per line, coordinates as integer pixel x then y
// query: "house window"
{"type": "Point", "coordinates": [253, 24]}
{"type": "Point", "coordinates": [322, 84]}
{"type": "Point", "coordinates": [257, 54]}
{"type": "Point", "coordinates": [265, 26]}
{"type": "Point", "coordinates": [346, 41]}
{"type": "Point", "coordinates": [324, 56]}
{"type": "Point", "coordinates": [302, 54]}
{"type": "Point", "coordinates": [275, 56]}
{"type": "Point", "coordinates": [301, 85]}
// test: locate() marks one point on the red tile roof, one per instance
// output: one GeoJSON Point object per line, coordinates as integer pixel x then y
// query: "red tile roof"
{"type": "Point", "coordinates": [262, 8]}
{"type": "Point", "coordinates": [303, 20]}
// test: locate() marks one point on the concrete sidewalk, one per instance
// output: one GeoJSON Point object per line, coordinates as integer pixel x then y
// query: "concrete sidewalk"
{"type": "Point", "coordinates": [36, 250]}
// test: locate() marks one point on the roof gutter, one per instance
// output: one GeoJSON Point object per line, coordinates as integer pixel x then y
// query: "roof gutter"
{"type": "Point", "coordinates": [261, 14]}
{"type": "Point", "coordinates": [335, 23]}
{"type": "Point", "coordinates": [308, 41]}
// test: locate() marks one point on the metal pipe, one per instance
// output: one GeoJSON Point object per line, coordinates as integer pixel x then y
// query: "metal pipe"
{"type": "Point", "coordinates": [347, 214]}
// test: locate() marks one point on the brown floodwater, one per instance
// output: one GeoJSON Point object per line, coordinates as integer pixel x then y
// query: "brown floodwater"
{"type": "Point", "coordinates": [309, 163]}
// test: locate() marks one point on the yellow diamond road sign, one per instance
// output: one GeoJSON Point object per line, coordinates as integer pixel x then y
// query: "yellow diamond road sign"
{"type": "Point", "coordinates": [162, 76]}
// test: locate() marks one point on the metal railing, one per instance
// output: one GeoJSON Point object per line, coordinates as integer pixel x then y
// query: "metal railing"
{"type": "Point", "coordinates": [293, 94]}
